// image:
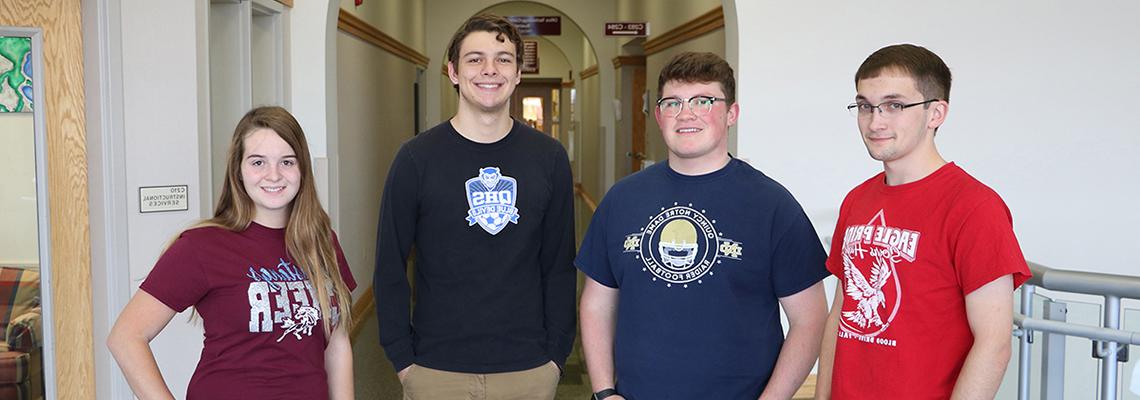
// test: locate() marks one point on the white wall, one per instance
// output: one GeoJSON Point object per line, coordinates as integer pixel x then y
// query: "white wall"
{"type": "Point", "coordinates": [372, 93]}
{"type": "Point", "coordinates": [312, 47]}
{"type": "Point", "coordinates": [1040, 110]}
{"type": "Point", "coordinates": [107, 194]}
{"type": "Point", "coordinates": [18, 242]}
{"type": "Point", "coordinates": [310, 41]}
{"type": "Point", "coordinates": [375, 116]}
{"type": "Point", "coordinates": [160, 129]}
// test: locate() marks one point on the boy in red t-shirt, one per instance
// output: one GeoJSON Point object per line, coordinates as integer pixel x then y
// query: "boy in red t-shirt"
{"type": "Point", "coordinates": [925, 254]}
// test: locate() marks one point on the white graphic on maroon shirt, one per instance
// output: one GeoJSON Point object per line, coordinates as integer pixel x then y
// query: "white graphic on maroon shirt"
{"type": "Point", "coordinates": [283, 297]}
{"type": "Point", "coordinates": [306, 319]}
{"type": "Point", "coordinates": [871, 254]}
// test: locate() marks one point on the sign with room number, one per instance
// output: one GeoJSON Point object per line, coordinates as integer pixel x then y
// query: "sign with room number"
{"type": "Point", "coordinates": [633, 29]}
{"type": "Point", "coordinates": [164, 198]}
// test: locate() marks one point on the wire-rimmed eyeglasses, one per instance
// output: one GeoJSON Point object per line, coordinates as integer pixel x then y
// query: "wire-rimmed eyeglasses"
{"type": "Point", "coordinates": [699, 105]}
{"type": "Point", "coordinates": [887, 108]}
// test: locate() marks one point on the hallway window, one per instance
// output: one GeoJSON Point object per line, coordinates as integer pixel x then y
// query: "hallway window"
{"type": "Point", "coordinates": [532, 112]}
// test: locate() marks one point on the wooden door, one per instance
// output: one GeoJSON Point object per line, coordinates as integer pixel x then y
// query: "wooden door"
{"type": "Point", "coordinates": [61, 22]}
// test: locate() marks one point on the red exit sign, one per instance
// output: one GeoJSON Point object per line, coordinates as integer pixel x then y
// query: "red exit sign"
{"type": "Point", "coordinates": [627, 29]}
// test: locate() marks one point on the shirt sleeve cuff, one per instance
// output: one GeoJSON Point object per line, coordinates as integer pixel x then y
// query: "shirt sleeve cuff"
{"type": "Point", "coordinates": [401, 355]}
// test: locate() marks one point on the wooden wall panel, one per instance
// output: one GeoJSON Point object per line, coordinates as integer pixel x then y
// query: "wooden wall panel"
{"type": "Point", "coordinates": [362, 310]}
{"type": "Point", "coordinates": [696, 27]}
{"type": "Point", "coordinates": [61, 22]}
{"type": "Point", "coordinates": [359, 28]}
{"type": "Point", "coordinates": [588, 72]}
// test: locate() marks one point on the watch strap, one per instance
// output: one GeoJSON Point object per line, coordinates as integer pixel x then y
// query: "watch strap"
{"type": "Point", "coordinates": [607, 392]}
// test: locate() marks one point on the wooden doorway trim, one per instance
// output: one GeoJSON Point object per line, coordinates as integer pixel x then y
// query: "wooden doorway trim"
{"type": "Point", "coordinates": [637, 138]}
{"type": "Point", "coordinates": [635, 66]}
{"type": "Point", "coordinates": [61, 22]}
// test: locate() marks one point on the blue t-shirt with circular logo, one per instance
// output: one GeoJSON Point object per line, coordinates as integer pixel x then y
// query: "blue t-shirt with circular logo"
{"type": "Point", "coordinates": [700, 263]}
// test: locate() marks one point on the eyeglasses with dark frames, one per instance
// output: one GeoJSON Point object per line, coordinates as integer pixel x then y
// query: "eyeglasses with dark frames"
{"type": "Point", "coordinates": [886, 108]}
{"type": "Point", "coordinates": [699, 105]}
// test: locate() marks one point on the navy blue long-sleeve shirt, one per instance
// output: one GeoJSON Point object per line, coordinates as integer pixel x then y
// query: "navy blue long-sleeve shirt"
{"type": "Point", "coordinates": [492, 226]}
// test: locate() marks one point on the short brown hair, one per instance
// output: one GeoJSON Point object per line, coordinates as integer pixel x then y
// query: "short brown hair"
{"type": "Point", "coordinates": [503, 29]}
{"type": "Point", "coordinates": [930, 73]}
{"type": "Point", "coordinates": [690, 67]}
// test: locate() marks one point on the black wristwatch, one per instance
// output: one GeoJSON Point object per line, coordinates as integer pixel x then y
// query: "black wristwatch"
{"type": "Point", "coordinates": [607, 392]}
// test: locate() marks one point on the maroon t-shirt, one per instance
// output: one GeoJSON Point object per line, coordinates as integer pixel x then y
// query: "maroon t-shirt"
{"type": "Point", "coordinates": [263, 332]}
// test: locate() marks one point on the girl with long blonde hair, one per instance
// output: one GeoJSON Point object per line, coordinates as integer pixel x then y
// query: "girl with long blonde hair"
{"type": "Point", "coordinates": [266, 274]}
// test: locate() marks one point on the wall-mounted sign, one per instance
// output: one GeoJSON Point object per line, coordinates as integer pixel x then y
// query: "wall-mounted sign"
{"type": "Point", "coordinates": [635, 29]}
{"type": "Point", "coordinates": [530, 57]}
{"type": "Point", "coordinates": [529, 25]}
{"type": "Point", "coordinates": [163, 198]}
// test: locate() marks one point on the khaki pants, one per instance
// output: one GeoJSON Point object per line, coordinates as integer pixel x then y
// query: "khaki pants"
{"type": "Point", "coordinates": [424, 383]}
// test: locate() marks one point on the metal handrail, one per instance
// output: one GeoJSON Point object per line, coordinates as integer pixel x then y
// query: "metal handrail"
{"type": "Point", "coordinates": [1084, 282]}
{"type": "Point", "coordinates": [1112, 287]}
{"type": "Point", "coordinates": [1085, 331]}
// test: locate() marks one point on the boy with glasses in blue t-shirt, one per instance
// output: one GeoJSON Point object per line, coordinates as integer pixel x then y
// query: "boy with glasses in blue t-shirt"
{"type": "Point", "coordinates": [689, 261]}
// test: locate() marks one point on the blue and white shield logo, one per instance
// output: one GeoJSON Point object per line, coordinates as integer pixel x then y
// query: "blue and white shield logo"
{"type": "Point", "coordinates": [491, 198]}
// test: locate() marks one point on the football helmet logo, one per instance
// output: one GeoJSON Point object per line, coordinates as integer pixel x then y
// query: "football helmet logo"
{"type": "Point", "coordinates": [678, 245]}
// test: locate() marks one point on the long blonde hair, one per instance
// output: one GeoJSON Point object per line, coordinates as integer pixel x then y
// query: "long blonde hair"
{"type": "Point", "coordinates": [308, 233]}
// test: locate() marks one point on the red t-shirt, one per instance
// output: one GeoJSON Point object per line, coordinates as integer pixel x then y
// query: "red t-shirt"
{"type": "Point", "coordinates": [264, 337]}
{"type": "Point", "coordinates": [907, 256]}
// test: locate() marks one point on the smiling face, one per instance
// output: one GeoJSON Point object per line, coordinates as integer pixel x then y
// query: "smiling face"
{"type": "Point", "coordinates": [906, 138]}
{"type": "Point", "coordinates": [697, 143]}
{"type": "Point", "coordinates": [486, 72]}
{"type": "Point", "coordinates": [270, 175]}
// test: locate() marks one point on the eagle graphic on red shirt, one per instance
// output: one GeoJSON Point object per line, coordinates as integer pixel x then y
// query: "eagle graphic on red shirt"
{"type": "Point", "coordinates": [868, 294]}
